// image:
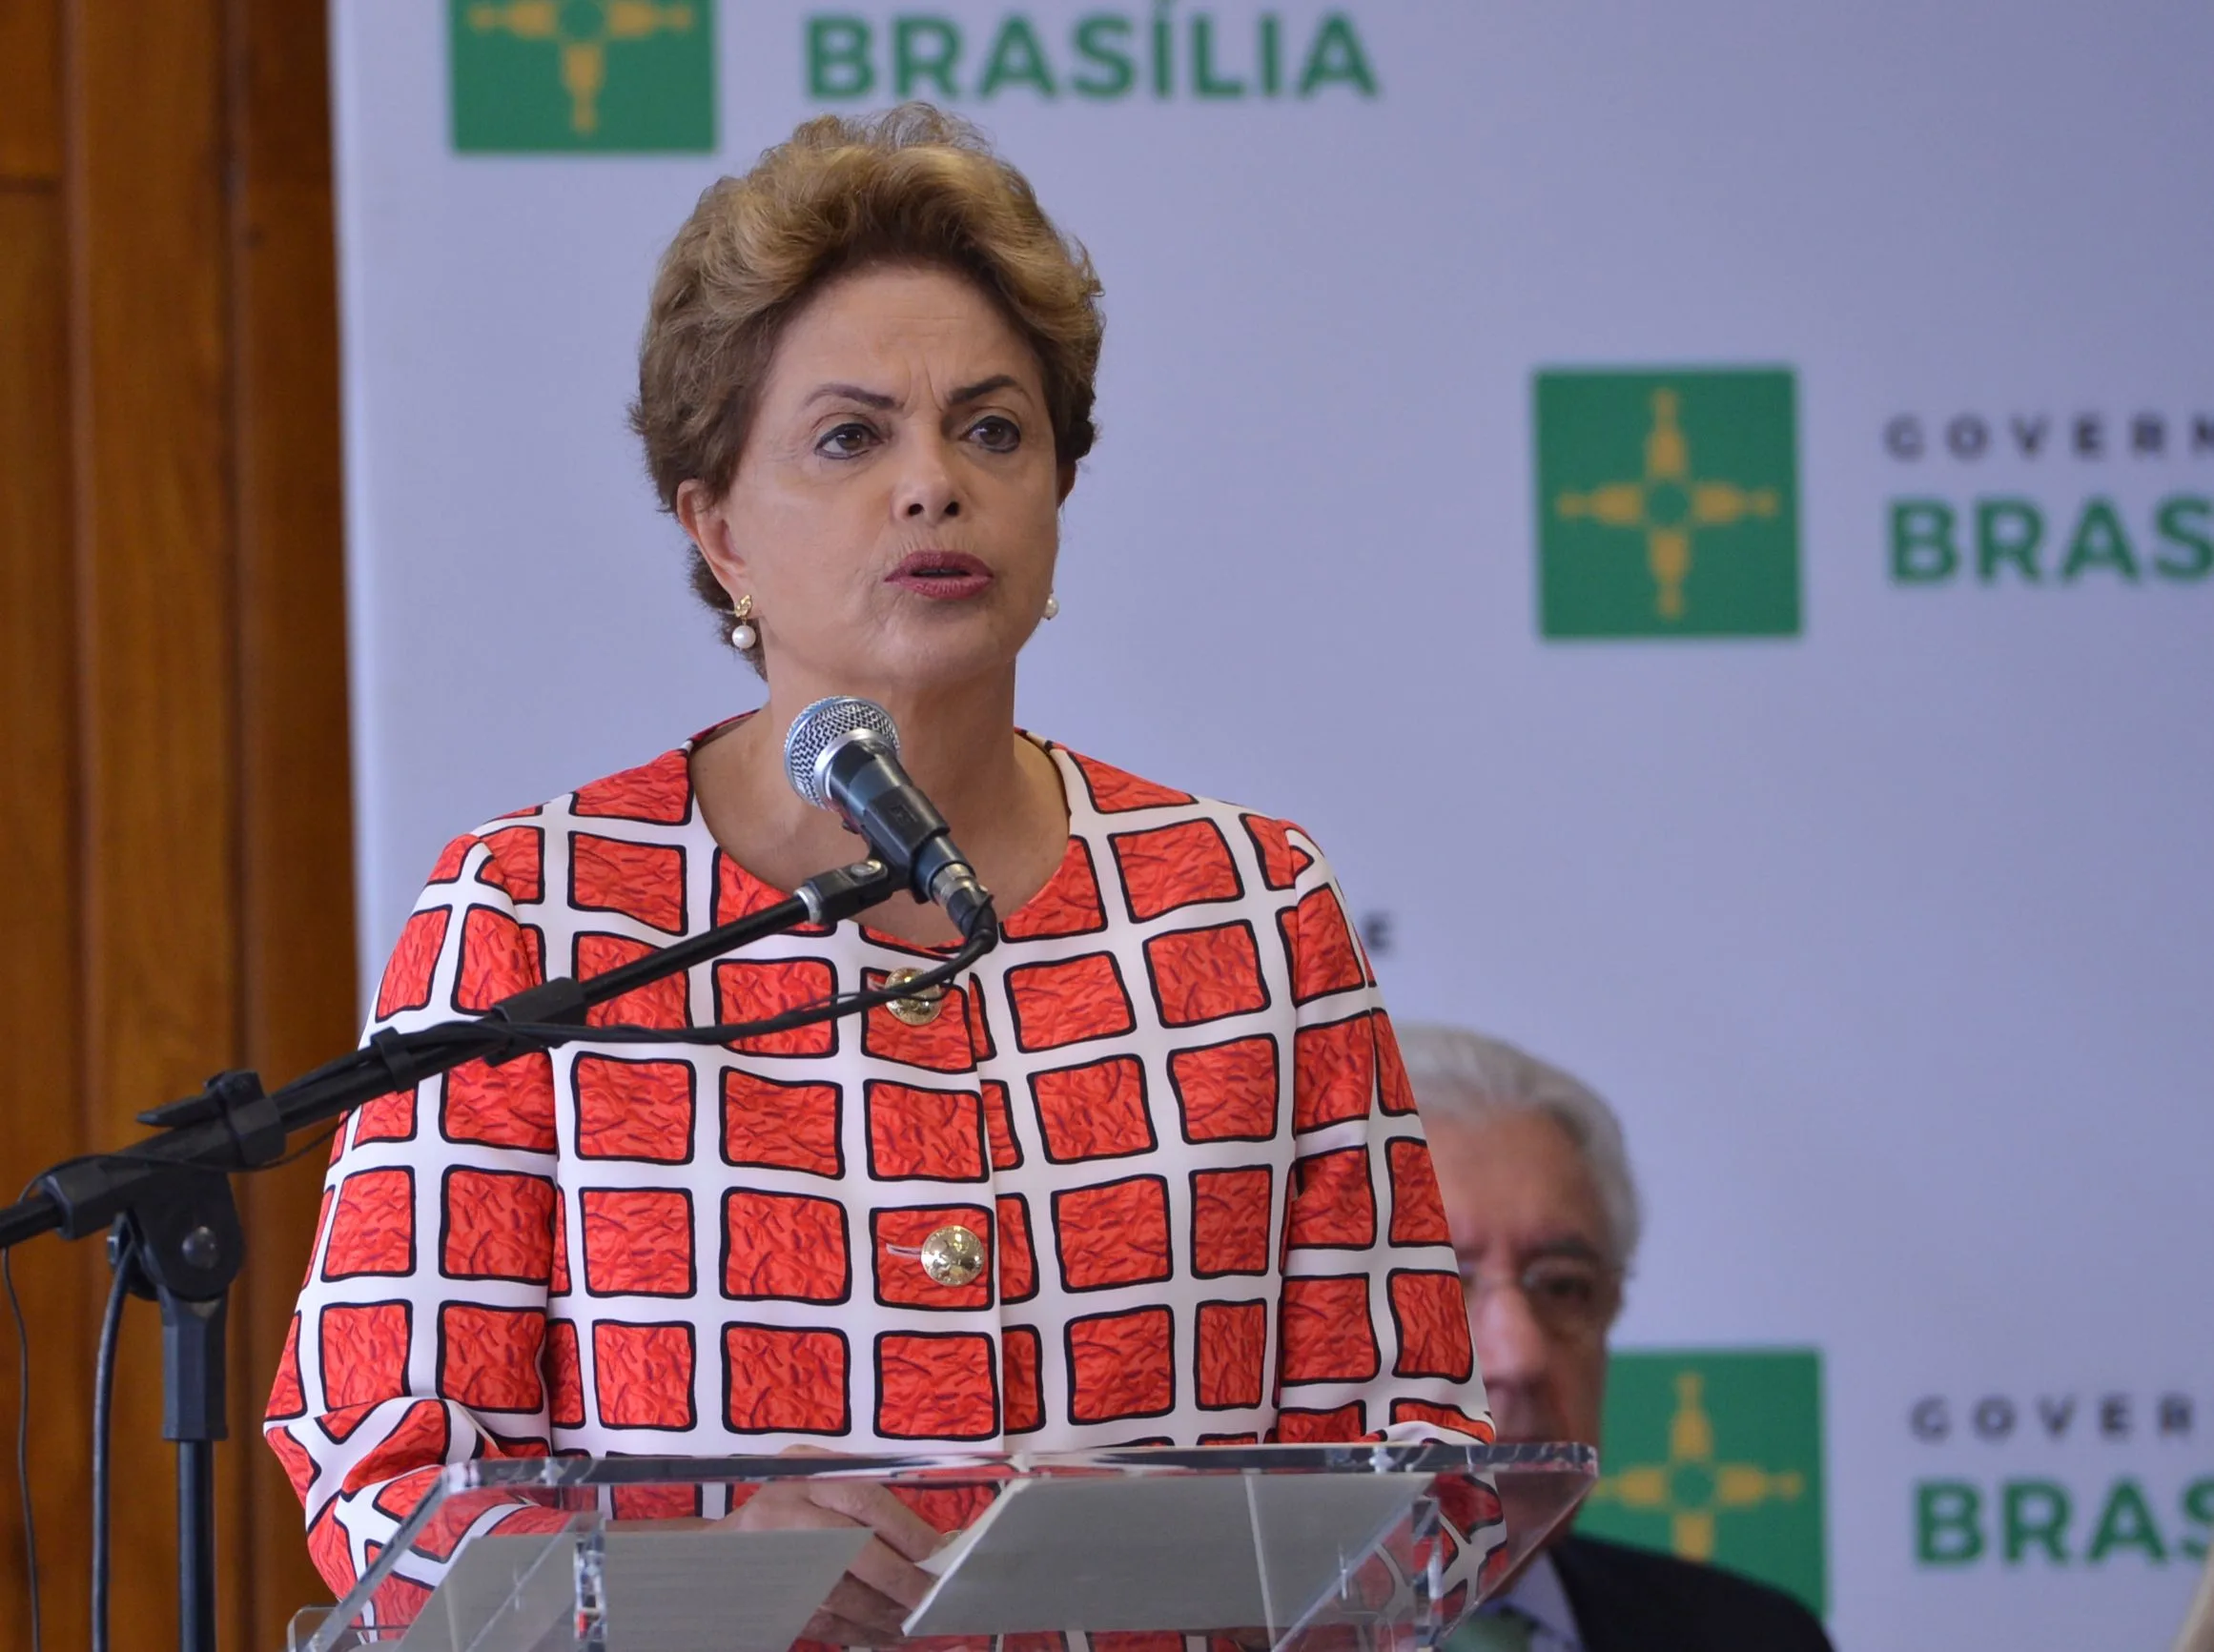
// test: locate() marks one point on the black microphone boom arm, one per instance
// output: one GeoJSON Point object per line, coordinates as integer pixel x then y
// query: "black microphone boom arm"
{"type": "Point", "coordinates": [172, 1190]}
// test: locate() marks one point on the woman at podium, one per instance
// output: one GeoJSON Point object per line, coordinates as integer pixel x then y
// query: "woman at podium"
{"type": "Point", "coordinates": [1150, 1172]}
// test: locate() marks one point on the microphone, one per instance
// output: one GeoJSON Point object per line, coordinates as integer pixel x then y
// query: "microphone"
{"type": "Point", "coordinates": [843, 754]}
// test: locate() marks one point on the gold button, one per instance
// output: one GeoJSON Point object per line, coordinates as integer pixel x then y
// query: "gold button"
{"type": "Point", "coordinates": [922, 1008]}
{"type": "Point", "coordinates": [952, 1255]}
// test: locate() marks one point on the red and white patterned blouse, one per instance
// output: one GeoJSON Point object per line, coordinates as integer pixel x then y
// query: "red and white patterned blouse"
{"type": "Point", "coordinates": [1170, 1104]}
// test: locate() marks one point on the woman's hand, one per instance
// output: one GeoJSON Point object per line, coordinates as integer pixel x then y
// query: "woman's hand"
{"type": "Point", "coordinates": [883, 1584]}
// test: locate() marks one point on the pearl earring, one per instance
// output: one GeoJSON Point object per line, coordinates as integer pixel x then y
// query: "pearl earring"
{"type": "Point", "coordinates": [743, 636]}
{"type": "Point", "coordinates": [1052, 607]}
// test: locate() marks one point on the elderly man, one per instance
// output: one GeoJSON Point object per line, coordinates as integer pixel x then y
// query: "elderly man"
{"type": "Point", "coordinates": [1544, 1217]}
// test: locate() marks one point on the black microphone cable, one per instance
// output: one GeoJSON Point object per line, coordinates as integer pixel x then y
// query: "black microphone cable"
{"type": "Point", "coordinates": [985, 926]}
{"type": "Point", "coordinates": [22, 1440]}
{"type": "Point", "coordinates": [121, 1257]}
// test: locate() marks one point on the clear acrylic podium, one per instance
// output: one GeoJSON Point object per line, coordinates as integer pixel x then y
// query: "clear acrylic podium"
{"type": "Point", "coordinates": [1312, 1548]}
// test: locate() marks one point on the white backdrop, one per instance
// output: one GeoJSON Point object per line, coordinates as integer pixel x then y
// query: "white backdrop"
{"type": "Point", "coordinates": [1892, 941]}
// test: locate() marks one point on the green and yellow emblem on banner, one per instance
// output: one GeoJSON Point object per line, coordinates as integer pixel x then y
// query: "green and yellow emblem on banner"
{"type": "Point", "coordinates": [1667, 504]}
{"type": "Point", "coordinates": [610, 76]}
{"type": "Point", "coordinates": [1714, 1455]}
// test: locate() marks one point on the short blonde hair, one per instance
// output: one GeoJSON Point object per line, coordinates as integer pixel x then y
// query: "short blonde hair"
{"type": "Point", "coordinates": [914, 186]}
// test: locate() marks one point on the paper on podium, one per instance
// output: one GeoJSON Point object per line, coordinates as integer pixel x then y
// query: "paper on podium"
{"type": "Point", "coordinates": [501, 1594]}
{"type": "Point", "coordinates": [666, 1591]}
{"type": "Point", "coordinates": [1160, 1552]}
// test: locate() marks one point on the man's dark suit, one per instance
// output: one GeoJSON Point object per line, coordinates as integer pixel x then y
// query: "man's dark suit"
{"type": "Point", "coordinates": [1635, 1601]}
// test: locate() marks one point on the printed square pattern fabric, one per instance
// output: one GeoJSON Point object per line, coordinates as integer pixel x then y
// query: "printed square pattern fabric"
{"type": "Point", "coordinates": [1169, 1106]}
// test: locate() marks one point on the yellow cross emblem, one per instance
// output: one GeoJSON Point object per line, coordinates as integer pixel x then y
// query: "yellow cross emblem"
{"type": "Point", "coordinates": [1692, 1487]}
{"type": "Point", "coordinates": [583, 30]}
{"type": "Point", "coordinates": [1667, 504]}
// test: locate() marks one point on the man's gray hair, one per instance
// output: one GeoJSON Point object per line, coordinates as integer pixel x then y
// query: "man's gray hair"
{"type": "Point", "coordinates": [1459, 1074]}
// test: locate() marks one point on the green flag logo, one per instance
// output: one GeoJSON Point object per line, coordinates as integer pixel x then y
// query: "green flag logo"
{"type": "Point", "coordinates": [1714, 1455]}
{"type": "Point", "coordinates": [1667, 504]}
{"type": "Point", "coordinates": [603, 76]}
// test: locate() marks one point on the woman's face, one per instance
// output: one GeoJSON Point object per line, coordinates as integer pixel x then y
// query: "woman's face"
{"type": "Point", "coordinates": [894, 514]}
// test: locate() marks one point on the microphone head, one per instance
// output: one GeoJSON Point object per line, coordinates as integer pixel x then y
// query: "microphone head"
{"type": "Point", "coordinates": [821, 729]}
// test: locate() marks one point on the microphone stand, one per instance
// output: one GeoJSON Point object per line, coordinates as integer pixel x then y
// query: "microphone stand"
{"type": "Point", "coordinates": [170, 1194]}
